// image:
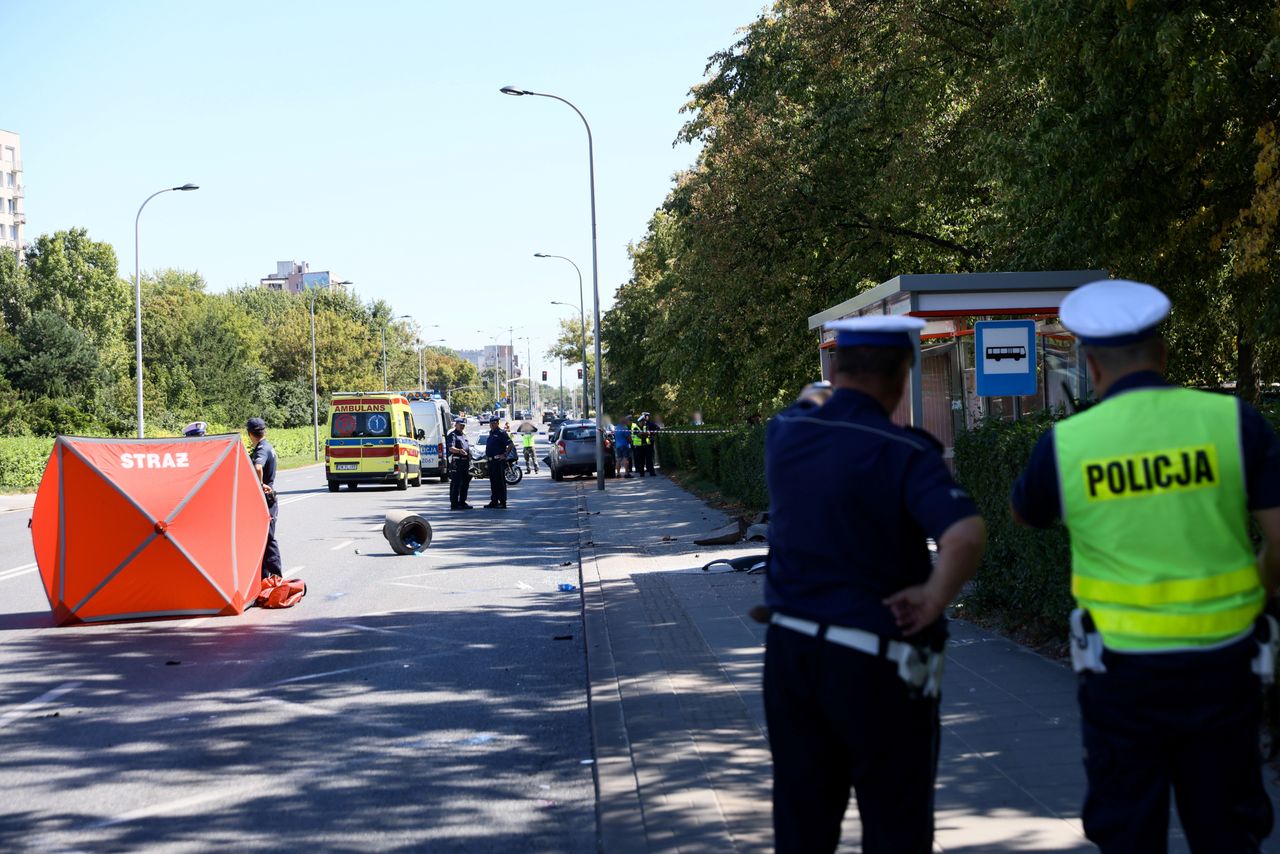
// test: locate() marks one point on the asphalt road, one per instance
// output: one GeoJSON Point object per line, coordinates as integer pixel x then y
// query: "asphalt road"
{"type": "Point", "coordinates": [433, 702]}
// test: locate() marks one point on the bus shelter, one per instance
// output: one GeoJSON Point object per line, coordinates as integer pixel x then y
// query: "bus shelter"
{"type": "Point", "coordinates": [943, 395]}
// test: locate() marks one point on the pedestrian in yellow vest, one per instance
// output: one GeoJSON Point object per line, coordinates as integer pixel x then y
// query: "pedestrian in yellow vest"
{"type": "Point", "coordinates": [1156, 484]}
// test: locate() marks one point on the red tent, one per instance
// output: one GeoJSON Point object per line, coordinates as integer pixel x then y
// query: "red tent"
{"type": "Point", "coordinates": [128, 529]}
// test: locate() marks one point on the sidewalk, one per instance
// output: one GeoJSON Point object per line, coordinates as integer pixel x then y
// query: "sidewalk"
{"type": "Point", "coordinates": [675, 665]}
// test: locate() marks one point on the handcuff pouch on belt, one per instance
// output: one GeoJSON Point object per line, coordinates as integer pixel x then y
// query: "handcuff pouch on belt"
{"type": "Point", "coordinates": [1086, 644]}
{"type": "Point", "coordinates": [1266, 632]}
{"type": "Point", "coordinates": [920, 666]}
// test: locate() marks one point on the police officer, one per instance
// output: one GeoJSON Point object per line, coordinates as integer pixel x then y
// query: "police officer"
{"type": "Point", "coordinates": [459, 451]}
{"type": "Point", "coordinates": [640, 441]}
{"type": "Point", "coordinates": [1156, 484]}
{"type": "Point", "coordinates": [263, 457]}
{"type": "Point", "coordinates": [853, 655]}
{"type": "Point", "coordinates": [651, 429]}
{"type": "Point", "coordinates": [496, 449]}
{"type": "Point", "coordinates": [195, 429]}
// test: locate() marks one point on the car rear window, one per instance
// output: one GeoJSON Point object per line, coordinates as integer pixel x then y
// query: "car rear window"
{"type": "Point", "coordinates": [578, 434]}
{"type": "Point", "coordinates": [353, 425]}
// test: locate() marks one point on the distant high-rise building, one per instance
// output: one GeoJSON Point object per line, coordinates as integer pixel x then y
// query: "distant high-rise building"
{"type": "Point", "coordinates": [296, 276]}
{"type": "Point", "coordinates": [12, 220]}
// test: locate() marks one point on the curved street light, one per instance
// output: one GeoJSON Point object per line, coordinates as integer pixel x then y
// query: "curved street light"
{"type": "Point", "coordinates": [595, 269]}
{"type": "Point", "coordinates": [581, 319]}
{"type": "Point", "coordinates": [384, 344]}
{"type": "Point", "coordinates": [583, 339]}
{"type": "Point", "coordinates": [137, 289]}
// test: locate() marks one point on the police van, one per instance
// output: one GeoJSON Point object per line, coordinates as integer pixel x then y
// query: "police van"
{"type": "Point", "coordinates": [371, 438]}
{"type": "Point", "coordinates": [434, 421]}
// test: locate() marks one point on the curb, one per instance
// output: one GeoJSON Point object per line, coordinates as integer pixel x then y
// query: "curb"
{"type": "Point", "coordinates": [619, 815]}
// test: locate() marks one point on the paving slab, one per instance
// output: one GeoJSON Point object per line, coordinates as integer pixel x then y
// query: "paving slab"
{"type": "Point", "coordinates": [675, 667]}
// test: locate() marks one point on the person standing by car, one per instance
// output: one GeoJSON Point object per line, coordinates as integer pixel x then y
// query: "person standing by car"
{"type": "Point", "coordinates": [639, 441]}
{"type": "Point", "coordinates": [263, 457]}
{"type": "Point", "coordinates": [496, 449]}
{"type": "Point", "coordinates": [651, 429]}
{"type": "Point", "coordinates": [459, 452]}
{"type": "Point", "coordinates": [622, 446]}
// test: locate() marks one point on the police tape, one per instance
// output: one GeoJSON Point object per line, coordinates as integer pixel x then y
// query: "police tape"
{"type": "Point", "coordinates": [665, 432]}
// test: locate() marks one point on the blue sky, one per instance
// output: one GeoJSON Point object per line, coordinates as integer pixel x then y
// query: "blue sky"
{"type": "Point", "coordinates": [367, 139]}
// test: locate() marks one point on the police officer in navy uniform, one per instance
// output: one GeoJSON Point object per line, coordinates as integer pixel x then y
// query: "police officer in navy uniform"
{"type": "Point", "coordinates": [1156, 485]}
{"type": "Point", "coordinates": [853, 655]}
{"type": "Point", "coordinates": [496, 449]}
{"type": "Point", "coordinates": [263, 457]}
{"type": "Point", "coordinates": [459, 451]}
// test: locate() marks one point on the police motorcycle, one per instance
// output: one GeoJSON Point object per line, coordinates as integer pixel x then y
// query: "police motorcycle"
{"type": "Point", "coordinates": [480, 466]}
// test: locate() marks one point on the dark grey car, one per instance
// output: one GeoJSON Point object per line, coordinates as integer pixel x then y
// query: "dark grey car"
{"type": "Point", "coordinates": [573, 450]}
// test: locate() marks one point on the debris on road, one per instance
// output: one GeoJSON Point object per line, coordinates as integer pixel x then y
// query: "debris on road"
{"type": "Point", "coordinates": [408, 533]}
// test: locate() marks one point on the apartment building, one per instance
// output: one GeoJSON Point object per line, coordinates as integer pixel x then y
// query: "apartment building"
{"type": "Point", "coordinates": [12, 220]}
{"type": "Point", "coordinates": [296, 276]}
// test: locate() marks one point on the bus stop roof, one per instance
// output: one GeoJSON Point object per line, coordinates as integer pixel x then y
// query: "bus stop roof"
{"type": "Point", "coordinates": [963, 294]}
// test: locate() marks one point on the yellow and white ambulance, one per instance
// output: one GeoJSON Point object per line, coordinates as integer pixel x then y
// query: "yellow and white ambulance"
{"type": "Point", "coordinates": [371, 438]}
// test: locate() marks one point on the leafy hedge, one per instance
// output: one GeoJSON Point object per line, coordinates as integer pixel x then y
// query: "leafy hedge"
{"type": "Point", "coordinates": [23, 458]}
{"type": "Point", "coordinates": [1026, 572]}
{"type": "Point", "coordinates": [733, 461]}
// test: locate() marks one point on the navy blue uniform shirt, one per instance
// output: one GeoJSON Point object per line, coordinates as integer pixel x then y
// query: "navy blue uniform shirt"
{"type": "Point", "coordinates": [1038, 499]}
{"type": "Point", "coordinates": [264, 455]}
{"type": "Point", "coordinates": [498, 443]}
{"type": "Point", "coordinates": [852, 497]}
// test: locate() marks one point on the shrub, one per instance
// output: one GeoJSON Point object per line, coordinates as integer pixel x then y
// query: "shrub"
{"type": "Point", "coordinates": [732, 460]}
{"type": "Point", "coordinates": [1026, 573]}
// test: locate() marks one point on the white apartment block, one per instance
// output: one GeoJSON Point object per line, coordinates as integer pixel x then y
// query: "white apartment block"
{"type": "Point", "coordinates": [12, 220]}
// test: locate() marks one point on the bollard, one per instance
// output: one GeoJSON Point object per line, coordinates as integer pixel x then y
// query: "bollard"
{"type": "Point", "coordinates": [408, 533]}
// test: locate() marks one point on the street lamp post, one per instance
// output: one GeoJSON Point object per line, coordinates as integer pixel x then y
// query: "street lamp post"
{"type": "Point", "coordinates": [315, 387]}
{"type": "Point", "coordinates": [582, 337]}
{"type": "Point", "coordinates": [384, 345]}
{"type": "Point", "coordinates": [137, 289]}
{"type": "Point", "coordinates": [422, 359]}
{"type": "Point", "coordinates": [595, 271]}
{"type": "Point", "coordinates": [582, 318]}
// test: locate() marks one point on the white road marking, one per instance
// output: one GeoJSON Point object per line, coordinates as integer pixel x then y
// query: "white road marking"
{"type": "Point", "coordinates": [379, 631]}
{"type": "Point", "coordinates": [181, 803]}
{"type": "Point", "coordinates": [43, 700]}
{"type": "Point", "coordinates": [342, 545]}
{"type": "Point", "coordinates": [294, 499]}
{"type": "Point", "coordinates": [303, 707]}
{"type": "Point", "coordinates": [16, 571]}
{"type": "Point", "coordinates": [524, 586]}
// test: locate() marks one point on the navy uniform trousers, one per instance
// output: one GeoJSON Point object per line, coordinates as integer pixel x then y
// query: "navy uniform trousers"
{"type": "Point", "coordinates": [498, 481]}
{"type": "Point", "coordinates": [271, 563]}
{"type": "Point", "coordinates": [839, 718]}
{"type": "Point", "coordinates": [1186, 721]}
{"type": "Point", "coordinates": [459, 481]}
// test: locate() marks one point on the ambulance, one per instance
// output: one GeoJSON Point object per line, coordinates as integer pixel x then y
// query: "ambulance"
{"type": "Point", "coordinates": [371, 438]}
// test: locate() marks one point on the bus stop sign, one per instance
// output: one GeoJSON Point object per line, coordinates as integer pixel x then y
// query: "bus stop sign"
{"type": "Point", "coordinates": [1006, 357]}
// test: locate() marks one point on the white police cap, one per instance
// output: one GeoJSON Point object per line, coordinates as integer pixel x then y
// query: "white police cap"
{"type": "Point", "coordinates": [1113, 312]}
{"type": "Point", "coordinates": [880, 330]}
{"type": "Point", "coordinates": [195, 428]}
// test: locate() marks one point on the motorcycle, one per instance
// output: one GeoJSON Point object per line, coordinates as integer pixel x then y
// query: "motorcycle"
{"type": "Point", "coordinates": [480, 467]}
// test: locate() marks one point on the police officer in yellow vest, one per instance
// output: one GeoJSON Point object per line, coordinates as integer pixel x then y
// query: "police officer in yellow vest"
{"type": "Point", "coordinates": [1156, 484]}
{"type": "Point", "coordinates": [640, 447]}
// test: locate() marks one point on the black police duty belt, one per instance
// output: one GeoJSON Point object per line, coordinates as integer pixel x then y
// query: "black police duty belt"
{"type": "Point", "coordinates": [919, 665]}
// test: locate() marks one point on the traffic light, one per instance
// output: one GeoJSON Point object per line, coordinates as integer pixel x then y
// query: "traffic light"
{"type": "Point", "coordinates": [579, 373]}
{"type": "Point", "coordinates": [544, 376]}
